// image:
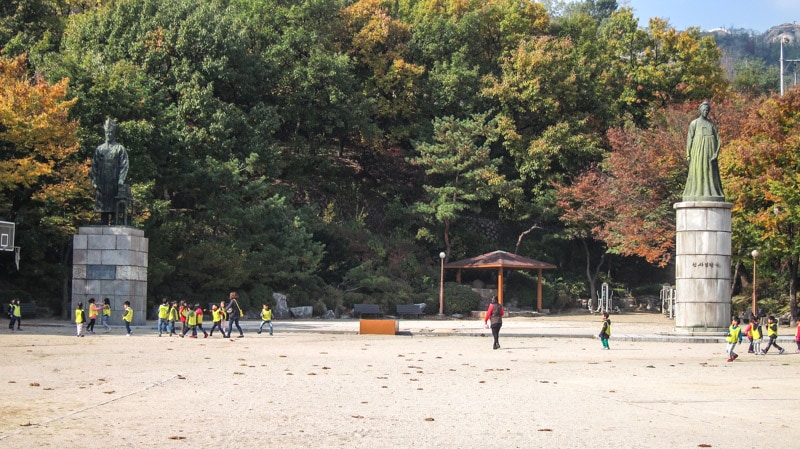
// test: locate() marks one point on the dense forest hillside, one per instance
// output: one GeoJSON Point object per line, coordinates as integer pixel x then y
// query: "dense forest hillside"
{"type": "Point", "coordinates": [753, 59]}
{"type": "Point", "coordinates": [331, 149]}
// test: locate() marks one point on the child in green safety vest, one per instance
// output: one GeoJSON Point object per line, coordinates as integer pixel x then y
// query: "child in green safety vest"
{"type": "Point", "coordinates": [733, 338]}
{"type": "Point", "coordinates": [605, 331]}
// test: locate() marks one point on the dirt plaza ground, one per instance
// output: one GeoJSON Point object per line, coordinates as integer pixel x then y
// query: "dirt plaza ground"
{"type": "Point", "coordinates": [317, 384]}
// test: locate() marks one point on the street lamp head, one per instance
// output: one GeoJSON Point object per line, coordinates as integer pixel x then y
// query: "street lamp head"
{"type": "Point", "coordinates": [754, 253]}
{"type": "Point", "coordinates": [442, 255]}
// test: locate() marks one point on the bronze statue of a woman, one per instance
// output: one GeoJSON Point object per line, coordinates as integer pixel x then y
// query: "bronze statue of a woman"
{"type": "Point", "coordinates": [702, 150]}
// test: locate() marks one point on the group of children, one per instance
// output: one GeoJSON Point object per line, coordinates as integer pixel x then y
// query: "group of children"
{"type": "Point", "coordinates": [733, 337]}
{"type": "Point", "coordinates": [755, 334]}
{"type": "Point", "coordinates": [190, 317]}
{"type": "Point", "coordinates": [104, 312]}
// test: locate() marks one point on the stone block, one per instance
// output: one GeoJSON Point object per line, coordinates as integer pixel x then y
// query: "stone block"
{"type": "Point", "coordinates": [105, 242]}
{"type": "Point", "coordinates": [78, 272]}
{"type": "Point", "coordinates": [123, 288]}
{"type": "Point", "coordinates": [123, 242]}
{"type": "Point", "coordinates": [703, 291]}
{"type": "Point", "coordinates": [90, 230]}
{"type": "Point", "coordinates": [702, 316]}
{"type": "Point", "coordinates": [382, 327]}
{"type": "Point", "coordinates": [118, 258]}
{"type": "Point", "coordinates": [78, 286]}
{"type": "Point", "coordinates": [121, 230]}
{"type": "Point", "coordinates": [80, 242]}
{"type": "Point", "coordinates": [702, 267]}
{"type": "Point", "coordinates": [94, 257]}
{"type": "Point", "coordinates": [139, 289]}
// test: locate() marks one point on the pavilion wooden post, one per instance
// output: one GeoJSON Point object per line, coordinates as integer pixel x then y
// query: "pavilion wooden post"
{"type": "Point", "coordinates": [500, 285]}
{"type": "Point", "coordinates": [539, 291]}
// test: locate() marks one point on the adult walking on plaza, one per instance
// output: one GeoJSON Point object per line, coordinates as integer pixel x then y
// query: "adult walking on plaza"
{"type": "Point", "coordinates": [234, 312]}
{"type": "Point", "coordinates": [494, 314]}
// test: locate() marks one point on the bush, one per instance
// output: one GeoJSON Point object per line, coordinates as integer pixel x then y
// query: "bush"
{"type": "Point", "coordinates": [458, 298]}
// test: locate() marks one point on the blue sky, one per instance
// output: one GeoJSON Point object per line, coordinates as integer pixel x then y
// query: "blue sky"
{"type": "Point", "coordinates": [758, 15]}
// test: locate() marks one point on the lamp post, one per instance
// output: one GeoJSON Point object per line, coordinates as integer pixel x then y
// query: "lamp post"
{"type": "Point", "coordinates": [442, 255]}
{"type": "Point", "coordinates": [755, 307]}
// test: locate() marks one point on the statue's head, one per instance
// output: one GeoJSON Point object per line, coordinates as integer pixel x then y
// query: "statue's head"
{"type": "Point", "coordinates": [704, 108]}
{"type": "Point", "coordinates": [110, 127]}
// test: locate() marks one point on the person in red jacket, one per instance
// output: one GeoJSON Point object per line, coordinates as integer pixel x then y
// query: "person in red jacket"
{"type": "Point", "coordinates": [797, 336]}
{"type": "Point", "coordinates": [494, 314]}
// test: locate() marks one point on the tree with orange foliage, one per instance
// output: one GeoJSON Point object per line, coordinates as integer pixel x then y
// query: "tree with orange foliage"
{"type": "Point", "coordinates": [44, 184]}
{"type": "Point", "coordinates": [625, 203]}
{"type": "Point", "coordinates": [762, 176]}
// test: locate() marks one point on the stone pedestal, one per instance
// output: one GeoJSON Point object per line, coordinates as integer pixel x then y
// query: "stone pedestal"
{"type": "Point", "coordinates": [703, 267]}
{"type": "Point", "coordinates": [110, 262]}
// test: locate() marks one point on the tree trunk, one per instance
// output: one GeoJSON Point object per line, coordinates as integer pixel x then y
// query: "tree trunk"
{"type": "Point", "coordinates": [446, 239]}
{"type": "Point", "coordinates": [66, 277]}
{"type": "Point", "coordinates": [735, 276]}
{"type": "Point", "coordinates": [592, 276]}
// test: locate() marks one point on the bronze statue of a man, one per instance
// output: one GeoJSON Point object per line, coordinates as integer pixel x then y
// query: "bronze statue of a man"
{"type": "Point", "coordinates": [109, 170]}
{"type": "Point", "coordinates": [702, 151]}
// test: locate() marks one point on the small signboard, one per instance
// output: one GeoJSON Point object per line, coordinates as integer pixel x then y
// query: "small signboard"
{"type": "Point", "coordinates": [7, 236]}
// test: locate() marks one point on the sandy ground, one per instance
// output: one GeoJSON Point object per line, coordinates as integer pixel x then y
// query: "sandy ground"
{"type": "Point", "coordinates": [308, 390]}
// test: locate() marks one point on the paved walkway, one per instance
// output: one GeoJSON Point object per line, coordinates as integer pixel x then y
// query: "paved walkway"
{"type": "Point", "coordinates": [626, 327]}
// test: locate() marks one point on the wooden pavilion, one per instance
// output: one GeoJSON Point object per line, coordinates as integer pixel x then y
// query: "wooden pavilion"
{"type": "Point", "coordinates": [501, 260]}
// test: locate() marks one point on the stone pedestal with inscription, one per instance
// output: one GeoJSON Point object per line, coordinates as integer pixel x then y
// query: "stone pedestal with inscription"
{"type": "Point", "coordinates": [703, 267]}
{"type": "Point", "coordinates": [110, 262]}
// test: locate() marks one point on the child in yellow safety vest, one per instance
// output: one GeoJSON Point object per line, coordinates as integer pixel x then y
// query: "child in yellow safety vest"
{"type": "Point", "coordinates": [172, 317]}
{"type": "Point", "coordinates": [93, 310]}
{"type": "Point", "coordinates": [733, 338]}
{"type": "Point", "coordinates": [772, 333]}
{"type": "Point", "coordinates": [191, 323]}
{"type": "Point", "coordinates": [127, 317]}
{"type": "Point", "coordinates": [216, 317]}
{"type": "Point", "coordinates": [80, 318]}
{"type": "Point", "coordinates": [163, 316]}
{"type": "Point", "coordinates": [106, 314]}
{"type": "Point", "coordinates": [754, 334]}
{"type": "Point", "coordinates": [15, 313]}
{"type": "Point", "coordinates": [266, 318]}
{"type": "Point", "coordinates": [198, 311]}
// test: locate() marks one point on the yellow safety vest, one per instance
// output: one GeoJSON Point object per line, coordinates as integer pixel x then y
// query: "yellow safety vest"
{"type": "Point", "coordinates": [266, 315]}
{"type": "Point", "coordinates": [215, 315]}
{"type": "Point", "coordinates": [106, 310]}
{"type": "Point", "coordinates": [733, 334]}
{"type": "Point", "coordinates": [128, 315]}
{"type": "Point", "coordinates": [79, 316]}
{"type": "Point", "coordinates": [199, 315]}
{"type": "Point", "coordinates": [173, 314]}
{"type": "Point", "coordinates": [17, 311]}
{"type": "Point", "coordinates": [607, 325]}
{"type": "Point", "coordinates": [163, 311]}
{"type": "Point", "coordinates": [191, 319]}
{"type": "Point", "coordinates": [772, 330]}
{"type": "Point", "coordinates": [755, 332]}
